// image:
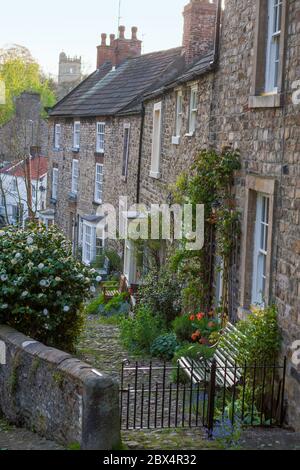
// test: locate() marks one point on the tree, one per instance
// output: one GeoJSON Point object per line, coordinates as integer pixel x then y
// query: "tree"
{"type": "Point", "coordinates": [19, 76]}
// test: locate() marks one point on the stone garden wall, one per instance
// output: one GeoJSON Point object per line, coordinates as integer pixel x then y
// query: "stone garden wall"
{"type": "Point", "coordinates": [56, 395]}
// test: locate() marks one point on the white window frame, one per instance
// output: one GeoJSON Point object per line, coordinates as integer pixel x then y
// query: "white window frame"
{"type": "Point", "coordinates": [57, 136]}
{"type": "Point", "coordinates": [54, 183]}
{"type": "Point", "coordinates": [75, 176]}
{"type": "Point", "coordinates": [193, 110]}
{"type": "Point", "coordinates": [261, 249]}
{"type": "Point", "coordinates": [99, 183]}
{"type": "Point", "coordinates": [14, 185]}
{"type": "Point", "coordinates": [156, 141]}
{"type": "Point", "coordinates": [179, 112]}
{"type": "Point", "coordinates": [100, 139]}
{"type": "Point", "coordinates": [90, 239]}
{"type": "Point", "coordinates": [76, 135]}
{"type": "Point", "coordinates": [126, 145]}
{"type": "Point", "coordinates": [275, 11]}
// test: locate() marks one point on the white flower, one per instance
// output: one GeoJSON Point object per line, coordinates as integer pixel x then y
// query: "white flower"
{"type": "Point", "coordinates": [14, 262]}
{"type": "Point", "coordinates": [93, 289]}
{"type": "Point", "coordinates": [58, 279]}
{"type": "Point", "coordinates": [44, 283]}
{"type": "Point", "coordinates": [92, 271]}
{"type": "Point", "coordinates": [59, 293]}
{"type": "Point", "coordinates": [4, 277]}
{"type": "Point", "coordinates": [46, 312]}
{"type": "Point", "coordinates": [2, 233]}
{"type": "Point", "coordinates": [24, 294]}
{"type": "Point", "coordinates": [98, 278]}
{"type": "Point", "coordinates": [29, 241]}
{"type": "Point", "coordinates": [18, 256]}
{"type": "Point", "coordinates": [4, 306]}
{"type": "Point", "coordinates": [66, 309]}
{"type": "Point", "coordinates": [41, 266]}
{"type": "Point", "coordinates": [30, 265]}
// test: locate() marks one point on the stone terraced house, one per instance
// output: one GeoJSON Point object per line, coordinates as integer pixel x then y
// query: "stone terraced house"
{"type": "Point", "coordinates": [133, 126]}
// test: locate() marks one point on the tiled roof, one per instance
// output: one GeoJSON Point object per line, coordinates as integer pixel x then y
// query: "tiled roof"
{"type": "Point", "coordinates": [110, 91]}
{"type": "Point", "coordinates": [38, 167]}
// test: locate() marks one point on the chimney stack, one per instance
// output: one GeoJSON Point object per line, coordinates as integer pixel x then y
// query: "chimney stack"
{"type": "Point", "coordinates": [199, 29]}
{"type": "Point", "coordinates": [119, 48]}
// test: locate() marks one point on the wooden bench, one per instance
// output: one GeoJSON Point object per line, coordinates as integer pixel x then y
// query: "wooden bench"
{"type": "Point", "coordinates": [112, 291]}
{"type": "Point", "coordinates": [225, 356]}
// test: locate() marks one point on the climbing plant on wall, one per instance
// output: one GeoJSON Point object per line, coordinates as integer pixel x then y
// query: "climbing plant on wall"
{"type": "Point", "coordinates": [208, 182]}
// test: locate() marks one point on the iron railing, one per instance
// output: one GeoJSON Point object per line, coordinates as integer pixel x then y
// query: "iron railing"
{"type": "Point", "coordinates": [156, 395]}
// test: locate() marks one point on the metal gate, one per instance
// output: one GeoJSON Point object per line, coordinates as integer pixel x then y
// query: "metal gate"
{"type": "Point", "coordinates": [157, 396]}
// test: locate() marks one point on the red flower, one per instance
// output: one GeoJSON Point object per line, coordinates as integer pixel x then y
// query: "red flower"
{"type": "Point", "coordinates": [200, 316]}
{"type": "Point", "coordinates": [211, 324]}
{"type": "Point", "coordinates": [196, 335]}
{"type": "Point", "coordinates": [192, 317]}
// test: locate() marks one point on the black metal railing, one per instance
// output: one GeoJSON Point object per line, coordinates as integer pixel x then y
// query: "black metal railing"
{"type": "Point", "coordinates": [156, 395]}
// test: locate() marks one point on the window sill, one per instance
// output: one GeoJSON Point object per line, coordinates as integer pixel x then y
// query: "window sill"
{"type": "Point", "coordinates": [124, 179]}
{"type": "Point", "coordinates": [175, 140]}
{"type": "Point", "coordinates": [266, 101]}
{"type": "Point", "coordinates": [97, 203]}
{"type": "Point", "coordinates": [155, 175]}
{"type": "Point", "coordinates": [190, 134]}
{"type": "Point", "coordinates": [99, 153]}
{"type": "Point", "coordinates": [75, 149]}
{"type": "Point", "coordinates": [72, 197]}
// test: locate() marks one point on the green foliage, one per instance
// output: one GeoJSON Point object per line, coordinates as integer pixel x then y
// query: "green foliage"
{"type": "Point", "coordinates": [42, 287]}
{"type": "Point", "coordinates": [195, 327]}
{"type": "Point", "coordinates": [139, 332]}
{"type": "Point", "coordinates": [164, 346]}
{"type": "Point", "coordinates": [161, 293]}
{"type": "Point", "coordinates": [261, 338]}
{"type": "Point", "coordinates": [118, 305]}
{"type": "Point", "coordinates": [19, 76]}
{"type": "Point", "coordinates": [194, 352]}
{"type": "Point", "coordinates": [183, 328]}
{"type": "Point", "coordinates": [115, 262]}
{"type": "Point", "coordinates": [93, 307]}
{"type": "Point", "coordinates": [208, 182]}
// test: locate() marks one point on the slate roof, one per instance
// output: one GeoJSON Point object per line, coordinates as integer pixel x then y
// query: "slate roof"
{"type": "Point", "coordinates": [198, 68]}
{"type": "Point", "coordinates": [111, 91]}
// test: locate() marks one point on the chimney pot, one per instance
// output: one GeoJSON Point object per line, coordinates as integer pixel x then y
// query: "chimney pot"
{"type": "Point", "coordinates": [112, 38]}
{"type": "Point", "coordinates": [134, 31]}
{"type": "Point", "coordinates": [103, 39]}
{"type": "Point", "coordinates": [122, 32]}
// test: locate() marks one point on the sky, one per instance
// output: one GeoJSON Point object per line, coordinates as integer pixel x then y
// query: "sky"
{"type": "Point", "coordinates": [75, 27]}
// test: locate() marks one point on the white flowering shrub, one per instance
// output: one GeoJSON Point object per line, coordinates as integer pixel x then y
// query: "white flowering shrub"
{"type": "Point", "coordinates": [42, 286]}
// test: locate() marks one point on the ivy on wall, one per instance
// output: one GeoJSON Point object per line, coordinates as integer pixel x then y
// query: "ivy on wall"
{"type": "Point", "coordinates": [208, 182]}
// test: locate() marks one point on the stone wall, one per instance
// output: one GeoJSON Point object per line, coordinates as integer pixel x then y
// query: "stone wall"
{"type": "Point", "coordinates": [57, 396]}
{"type": "Point", "coordinates": [19, 133]}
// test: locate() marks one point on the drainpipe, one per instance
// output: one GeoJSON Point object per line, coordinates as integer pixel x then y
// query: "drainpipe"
{"type": "Point", "coordinates": [217, 33]}
{"type": "Point", "coordinates": [140, 155]}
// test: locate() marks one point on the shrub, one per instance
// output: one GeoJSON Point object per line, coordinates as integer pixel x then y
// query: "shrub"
{"type": "Point", "coordinates": [118, 305]}
{"type": "Point", "coordinates": [164, 346]}
{"type": "Point", "coordinates": [196, 328]}
{"type": "Point", "coordinates": [161, 292]}
{"type": "Point", "coordinates": [42, 287]}
{"type": "Point", "coordinates": [194, 352]}
{"type": "Point", "coordinates": [139, 332]}
{"type": "Point", "coordinates": [115, 262]}
{"type": "Point", "coordinates": [95, 306]}
{"type": "Point", "coordinates": [260, 337]}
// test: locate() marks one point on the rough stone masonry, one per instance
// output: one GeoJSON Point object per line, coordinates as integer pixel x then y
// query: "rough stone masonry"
{"type": "Point", "coordinates": [57, 396]}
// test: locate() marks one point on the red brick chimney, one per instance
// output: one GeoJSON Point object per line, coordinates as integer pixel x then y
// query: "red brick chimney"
{"type": "Point", "coordinates": [199, 28]}
{"type": "Point", "coordinates": [119, 48]}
